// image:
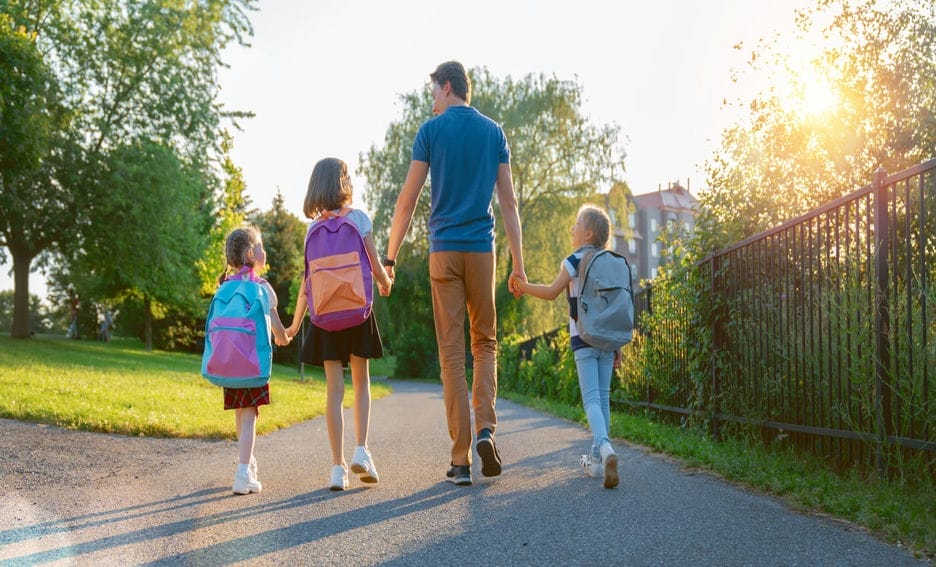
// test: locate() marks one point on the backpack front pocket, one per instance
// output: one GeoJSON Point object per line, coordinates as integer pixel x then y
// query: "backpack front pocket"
{"type": "Point", "coordinates": [337, 283]}
{"type": "Point", "coordinates": [233, 348]}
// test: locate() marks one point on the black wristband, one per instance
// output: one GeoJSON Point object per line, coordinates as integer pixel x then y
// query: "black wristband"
{"type": "Point", "coordinates": [387, 262]}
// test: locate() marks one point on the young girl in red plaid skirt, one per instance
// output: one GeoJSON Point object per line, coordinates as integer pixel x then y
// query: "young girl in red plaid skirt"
{"type": "Point", "coordinates": [246, 256]}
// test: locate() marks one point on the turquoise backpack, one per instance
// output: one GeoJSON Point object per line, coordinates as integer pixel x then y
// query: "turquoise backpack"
{"type": "Point", "coordinates": [238, 352]}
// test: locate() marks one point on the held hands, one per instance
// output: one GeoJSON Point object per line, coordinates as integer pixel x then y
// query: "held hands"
{"type": "Point", "coordinates": [385, 290]}
{"type": "Point", "coordinates": [280, 342]}
{"type": "Point", "coordinates": [515, 284]}
{"type": "Point", "coordinates": [291, 332]}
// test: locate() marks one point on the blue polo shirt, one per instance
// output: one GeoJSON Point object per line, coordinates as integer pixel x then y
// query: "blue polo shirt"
{"type": "Point", "coordinates": [464, 150]}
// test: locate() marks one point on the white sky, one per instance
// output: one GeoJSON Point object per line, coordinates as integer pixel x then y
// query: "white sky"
{"type": "Point", "coordinates": [324, 76]}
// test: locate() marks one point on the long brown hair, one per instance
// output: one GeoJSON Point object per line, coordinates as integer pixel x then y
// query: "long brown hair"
{"type": "Point", "coordinates": [329, 188]}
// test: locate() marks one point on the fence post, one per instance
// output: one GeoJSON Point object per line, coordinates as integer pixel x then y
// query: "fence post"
{"type": "Point", "coordinates": [718, 339]}
{"type": "Point", "coordinates": [299, 363]}
{"type": "Point", "coordinates": [649, 312]}
{"type": "Point", "coordinates": [882, 405]}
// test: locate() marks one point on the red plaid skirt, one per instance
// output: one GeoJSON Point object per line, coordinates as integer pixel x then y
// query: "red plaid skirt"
{"type": "Point", "coordinates": [246, 397]}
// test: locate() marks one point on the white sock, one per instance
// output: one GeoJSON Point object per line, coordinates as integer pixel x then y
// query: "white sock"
{"type": "Point", "coordinates": [241, 469]}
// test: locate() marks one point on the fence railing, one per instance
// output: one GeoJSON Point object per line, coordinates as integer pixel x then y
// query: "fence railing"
{"type": "Point", "coordinates": [823, 329]}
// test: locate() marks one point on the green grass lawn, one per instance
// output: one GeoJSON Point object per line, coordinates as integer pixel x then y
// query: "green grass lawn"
{"type": "Point", "coordinates": [118, 387]}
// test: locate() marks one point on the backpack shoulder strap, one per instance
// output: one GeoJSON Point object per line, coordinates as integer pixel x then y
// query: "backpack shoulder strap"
{"type": "Point", "coordinates": [585, 265]}
{"type": "Point", "coordinates": [580, 266]}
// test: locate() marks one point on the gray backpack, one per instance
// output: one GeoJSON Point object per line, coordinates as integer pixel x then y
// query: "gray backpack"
{"type": "Point", "coordinates": [606, 300]}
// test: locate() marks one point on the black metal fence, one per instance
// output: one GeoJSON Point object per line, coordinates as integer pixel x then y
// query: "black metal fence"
{"type": "Point", "coordinates": [820, 332]}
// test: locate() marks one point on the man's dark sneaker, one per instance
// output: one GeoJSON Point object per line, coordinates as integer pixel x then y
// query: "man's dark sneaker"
{"type": "Point", "coordinates": [490, 458]}
{"type": "Point", "coordinates": [459, 474]}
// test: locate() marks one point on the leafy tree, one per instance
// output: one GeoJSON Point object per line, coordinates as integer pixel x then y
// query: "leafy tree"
{"type": "Point", "coordinates": [126, 71]}
{"type": "Point", "coordinates": [139, 246]}
{"type": "Point", "coordinates": [231, 209]}
{"type": "Point", "coordinates": [619, 203]}
{"type": "Point", "coordinates": [877, 72]}
{"type": "Point", "coordinates": [32, 146]}
{"type": "Point", "coordinates": [559, 159]}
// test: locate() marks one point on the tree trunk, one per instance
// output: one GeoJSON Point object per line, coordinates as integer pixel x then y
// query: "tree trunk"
{"type": "Point", "coordinates": [21, 262]}
{"type": "Point", "coordinates": [148, 322]}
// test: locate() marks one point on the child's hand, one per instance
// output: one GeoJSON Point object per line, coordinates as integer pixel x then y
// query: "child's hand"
{"type": "Point", "coordinates": [385, 280]}
{"type": "Point", "coordinates": [515, 285]}
{"type": "Point", "coordinates": [282, 342]}
{"type": "Point", "coordinates": [617, 359]}
{"type": "Point", "coordinates": [385, 290]}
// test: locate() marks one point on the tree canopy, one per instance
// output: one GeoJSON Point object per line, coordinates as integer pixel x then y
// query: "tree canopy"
{"type": "Point", "coordinates": [138, 245]}
{"type": "Point", "coordinates": [823, 126]}
{"type": "Point", "coordinates": [231, 209]}
{"type": "Point", "coordinates": [33, 146]}
{"type": "Point", "coordinates": [123, 73]}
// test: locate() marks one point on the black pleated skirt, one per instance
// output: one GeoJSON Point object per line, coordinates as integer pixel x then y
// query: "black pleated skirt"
{"type": "Point", "coordinates": [320, 345]}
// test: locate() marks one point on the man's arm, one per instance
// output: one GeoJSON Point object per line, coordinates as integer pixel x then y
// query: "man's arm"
{"type": "Point", "coordinates": [405, 206]}
{"type": "Point", "coordinates": [507, 202]}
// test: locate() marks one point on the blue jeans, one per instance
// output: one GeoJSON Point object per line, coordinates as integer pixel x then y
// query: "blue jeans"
{"type": "Point", "coordinates": [594, 374]}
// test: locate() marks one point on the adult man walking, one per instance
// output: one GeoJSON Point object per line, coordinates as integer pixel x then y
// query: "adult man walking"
{"type": "Point", "coordinates": [468, 156]}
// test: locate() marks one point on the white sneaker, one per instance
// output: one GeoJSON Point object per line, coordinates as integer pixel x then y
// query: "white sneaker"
{"type": "Point", "coordinates": [339, 478]}
{"type": "Point", "coordinates": [363, 465]}
{"type": "Point", "coordinates": [609, 464]}
{"type": "Point", "coordinates": [252, 467]}
{"type": "Point", "coordinates": [246, 483]}
{"type": "Point", "coordinates": [591, 467]}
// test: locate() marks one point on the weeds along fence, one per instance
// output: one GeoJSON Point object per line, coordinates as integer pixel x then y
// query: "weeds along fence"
{"type": "Point", "coordinates": [819, 333]}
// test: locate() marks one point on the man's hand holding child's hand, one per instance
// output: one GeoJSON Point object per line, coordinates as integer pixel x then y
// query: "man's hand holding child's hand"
{"type": "Point", "coordinates": [515, 285]}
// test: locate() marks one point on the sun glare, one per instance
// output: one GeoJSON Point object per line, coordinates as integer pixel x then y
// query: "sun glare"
{"type": "Point", "coordinates": [816, 95]}
{"type": "Point", "coordinates": [809, 90]}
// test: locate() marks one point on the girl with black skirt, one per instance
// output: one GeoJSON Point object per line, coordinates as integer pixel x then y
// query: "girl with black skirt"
{"type": "Point", "coordinates": [329, 194]}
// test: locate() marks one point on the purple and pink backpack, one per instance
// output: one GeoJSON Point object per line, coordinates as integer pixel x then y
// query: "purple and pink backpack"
{"type": "Point", "coordinates": [339, 283]}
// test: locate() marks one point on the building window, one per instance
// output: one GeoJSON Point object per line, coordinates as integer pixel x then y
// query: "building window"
{"type": "Point", "coordinates": [671, 222]}
{"type": "Point", "coordinates": [655, 249]}
{"type": "Point", "coordinates": [632, 219]}
{"type": "Point", "coordinates": [632, 246]}
{"type": "Point", "coordinates": [653, 225]}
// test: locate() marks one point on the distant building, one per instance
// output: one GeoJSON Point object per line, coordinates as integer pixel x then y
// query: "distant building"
{"type": "Point", "coordinates": [653, 211]}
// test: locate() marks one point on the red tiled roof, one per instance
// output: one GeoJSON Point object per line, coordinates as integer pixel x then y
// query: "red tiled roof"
{"type": "Point", "coordinates": [676, 198]}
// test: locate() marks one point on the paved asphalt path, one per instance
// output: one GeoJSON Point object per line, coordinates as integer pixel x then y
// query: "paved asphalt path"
{"type": "Point", "coordinates": [76, 498]}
